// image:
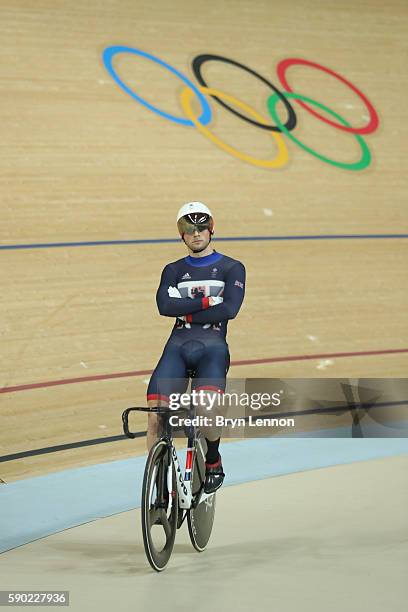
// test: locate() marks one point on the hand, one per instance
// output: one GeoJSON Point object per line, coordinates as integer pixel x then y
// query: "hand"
{"type": "Point", "coordinates": [214, 300]}
{"type": "Point", "coordinates": [173, 292]}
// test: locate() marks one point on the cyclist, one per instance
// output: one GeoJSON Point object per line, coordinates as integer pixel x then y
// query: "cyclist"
{"type": "Point", "coordinates": [203, 291]}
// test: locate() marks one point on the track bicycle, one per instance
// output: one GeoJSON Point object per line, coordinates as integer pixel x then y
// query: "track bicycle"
{"type": "Point", "coordinates": [168, 495]}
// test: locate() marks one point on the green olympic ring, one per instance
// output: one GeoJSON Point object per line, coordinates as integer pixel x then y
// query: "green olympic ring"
{"type": "Point", "coordinates": [363, 162]}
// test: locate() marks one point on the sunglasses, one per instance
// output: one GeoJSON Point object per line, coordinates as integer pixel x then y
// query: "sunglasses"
{"type": "Point", "coordinates": [190, 228]}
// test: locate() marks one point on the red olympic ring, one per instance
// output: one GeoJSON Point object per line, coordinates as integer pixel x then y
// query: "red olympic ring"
{"type": "Point", "coordinates": [367, 129]}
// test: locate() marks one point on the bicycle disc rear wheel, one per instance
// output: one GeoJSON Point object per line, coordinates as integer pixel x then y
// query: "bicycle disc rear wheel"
{"type": "Point", "coordinates": [159, 522]}
{"type": "Point", "coordinates": [200, 517]}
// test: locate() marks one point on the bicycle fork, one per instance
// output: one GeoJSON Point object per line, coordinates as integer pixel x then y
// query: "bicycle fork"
{"type": "Point", "coordinates": [185, 483]}
{"type": "Point", "coordinates": [184, 488]}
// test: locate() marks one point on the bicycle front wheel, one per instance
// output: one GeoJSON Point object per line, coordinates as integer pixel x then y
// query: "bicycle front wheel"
{"type": "Point", "coordinates": [159, 507]}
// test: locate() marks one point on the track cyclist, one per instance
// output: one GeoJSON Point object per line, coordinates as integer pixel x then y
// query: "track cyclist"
{"type": "Point", "coordinates": [203, 291]}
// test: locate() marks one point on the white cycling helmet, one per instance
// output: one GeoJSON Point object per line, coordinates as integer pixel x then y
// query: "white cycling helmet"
{"type": "Point", "coordinates": [193, 207]}
{"type": "Point", "coordinates": [194, 215]}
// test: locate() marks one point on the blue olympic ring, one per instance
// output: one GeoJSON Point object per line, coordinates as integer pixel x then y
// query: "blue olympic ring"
{"type": "Point", "coordinates": [108, 56]}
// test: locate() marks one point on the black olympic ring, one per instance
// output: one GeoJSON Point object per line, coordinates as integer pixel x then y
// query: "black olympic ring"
{"type": "Point", "coordinates": [199, 60]}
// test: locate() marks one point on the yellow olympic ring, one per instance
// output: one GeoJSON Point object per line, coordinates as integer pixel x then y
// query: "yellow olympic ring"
{"type": "Point", "coordinates": [280, 160]}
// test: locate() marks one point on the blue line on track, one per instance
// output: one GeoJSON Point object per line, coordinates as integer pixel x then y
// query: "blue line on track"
{"type": "Point", "coordinates": [37, 507]}
{"type": "Point", "coordinates": [53, 245]}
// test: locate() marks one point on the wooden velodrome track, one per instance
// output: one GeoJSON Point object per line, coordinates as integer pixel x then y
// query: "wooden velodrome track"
{"type": "Point", "coordinates": [82, 162]}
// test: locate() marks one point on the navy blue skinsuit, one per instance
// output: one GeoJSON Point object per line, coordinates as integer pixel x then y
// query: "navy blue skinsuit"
{"type": "Point", "coordinates": [197, 345]}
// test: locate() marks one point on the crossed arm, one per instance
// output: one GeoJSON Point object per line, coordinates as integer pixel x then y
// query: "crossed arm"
{"type": "Point", "coordinates": [199, 310]}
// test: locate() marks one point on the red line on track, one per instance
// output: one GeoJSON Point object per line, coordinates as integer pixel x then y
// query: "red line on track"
{"type": "Point", "coordinates": [322, 356]}
{"type": "Point", "coordinates": [71, 381]}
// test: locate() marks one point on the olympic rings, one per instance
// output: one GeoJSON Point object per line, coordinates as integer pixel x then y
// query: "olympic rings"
{"type": "Point", "coordinates": [108, 56]}
{"type": "Point", "coordinates": [201, 59]}
{"type": "Point", "coordinates": [363, 162]}
{"type": "Point", "coordinates": [372, 124]}
{"type": "Point", "coordinates": [254, 117]}
{"type": "Point", "coordinates": [282, 156]}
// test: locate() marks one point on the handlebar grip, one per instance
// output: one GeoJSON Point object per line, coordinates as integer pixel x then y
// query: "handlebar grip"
{"type": "Point", "coordinates": [125, 421]}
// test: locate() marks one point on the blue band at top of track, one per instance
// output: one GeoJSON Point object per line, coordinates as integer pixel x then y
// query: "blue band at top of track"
{"type": "Point", "coordinates": [53, 245]}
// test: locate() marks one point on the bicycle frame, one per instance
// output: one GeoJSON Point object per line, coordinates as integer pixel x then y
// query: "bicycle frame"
{"type": "Point", "coordinates": [184, 481]}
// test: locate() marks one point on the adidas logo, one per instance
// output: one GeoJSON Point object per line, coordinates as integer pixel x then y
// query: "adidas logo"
{"type": "Point", "coordinates": [186, 275]}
